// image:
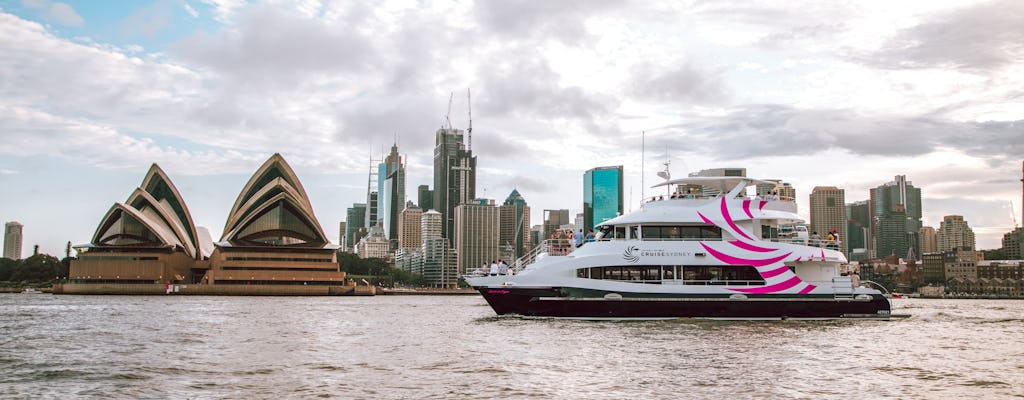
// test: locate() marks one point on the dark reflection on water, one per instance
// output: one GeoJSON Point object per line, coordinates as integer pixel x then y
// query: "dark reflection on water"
{"type": "Point", "coordinates": [454, 347]}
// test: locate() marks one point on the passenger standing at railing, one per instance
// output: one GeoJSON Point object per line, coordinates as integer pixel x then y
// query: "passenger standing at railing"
{"type": "Point", "coordinates": [579, 238]}
{"type": "Point", "coordinates": [494, 268]}
{"type": "Point", "coordinates": [831, 244]}
{"type": "Point", "coordinates": [502, 268]}
{"type": "Point", "coordinates": [590, 236]}
{"type": "Point", "coordinates": [815, 239]}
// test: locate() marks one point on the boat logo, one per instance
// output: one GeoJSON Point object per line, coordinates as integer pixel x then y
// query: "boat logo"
{"type": "Point", "coordinates": [631, 254]}
{"type": "Point", "coordinates": [492, 291]}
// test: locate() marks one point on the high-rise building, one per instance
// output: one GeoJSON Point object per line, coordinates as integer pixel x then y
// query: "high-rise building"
{"type": "Point", "coordinates": [355, 229]}
{"type": "Point", "coordinates": [1013, 244]}
{"type": "Point", "coordinates": [342, 227]}
{"type": "Point", "coordinates": [476, 234]}
{"type": "Point", "coordinates": [372, 217]}
{"type": "Point", "coordinates": [784, 190]}
{"type": "Point", "coordinates": [514, 217]}
{"type": "Point", "coordinates": [896, 218]}
{"type": "Point", "coordinates": [828, 212]}
{"type": "Point", "coordinates": [554, 219]}
{"type": "Point", "coordinates": [391, 192]}
{"type": "Point", "coordinates": [12, 240]}
{"type": "Point", "coordinates": [425, 197]}
{"type": "Point", "coordinates": [602, 195]}
{"type": "Point", "coordinates": [410, 223]}
{"type": "Point", "coordinates": [430, 225]}
{"type": "Point", "coordinates": [954, 233]}
{"type": "Point", "coordinates": [454, 175]}
{"type": "Point", "coordinates": [439, 265]}
{"type": "Point", "coordinates": [926, 240]}
{"type": "Point", "coordinates": [858, 230]}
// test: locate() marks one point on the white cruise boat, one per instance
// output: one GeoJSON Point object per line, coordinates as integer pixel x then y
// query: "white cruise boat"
{"type": "Point", "coordinates": [716, 256]}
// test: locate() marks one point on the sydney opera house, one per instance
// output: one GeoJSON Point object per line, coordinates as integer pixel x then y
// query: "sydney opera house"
{"type": "Point", "coordinates": [272, 243]}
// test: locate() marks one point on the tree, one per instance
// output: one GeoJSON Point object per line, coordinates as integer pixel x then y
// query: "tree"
{"type": "Point", "coordinates": [7, 268]}
{"type": "Point", "coordinates": [39, 268]}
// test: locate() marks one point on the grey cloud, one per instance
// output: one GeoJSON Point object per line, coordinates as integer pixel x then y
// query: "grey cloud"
{"type": "Point", "coordinates": [773, 130]}
{"type": "Point", "coordinates": [977, 37]}
{"type": "Point", "coordinates": [527, 20]}
{"type": "Point", "coordinates": [528, 87]}
{"type": "Point", "coordinates": [270, 44]}
{"type": "Point", "coordinates": [680, 83]}
{"type": "Point", "coordinates": [525, 185]}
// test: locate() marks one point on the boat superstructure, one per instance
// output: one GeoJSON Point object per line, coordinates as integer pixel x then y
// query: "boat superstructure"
{"type": "Point", "coordinates": [706, 250]}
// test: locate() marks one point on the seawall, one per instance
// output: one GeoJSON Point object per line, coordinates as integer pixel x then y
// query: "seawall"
{"type": "Point", "coordinates": [212, 290]}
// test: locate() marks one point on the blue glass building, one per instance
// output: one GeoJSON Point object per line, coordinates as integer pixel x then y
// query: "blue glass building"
{"type": "Point", "coordinates": [602, 195]}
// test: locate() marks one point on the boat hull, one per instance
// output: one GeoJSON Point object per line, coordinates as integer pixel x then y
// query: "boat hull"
{"type": "Point", "coordinates": [554, 302]}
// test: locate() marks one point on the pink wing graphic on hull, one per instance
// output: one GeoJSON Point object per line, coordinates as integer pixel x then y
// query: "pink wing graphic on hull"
{"type": "Point", "coordinates": [746, 250]}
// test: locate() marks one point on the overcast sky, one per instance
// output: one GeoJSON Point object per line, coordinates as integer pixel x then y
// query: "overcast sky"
{"type": "Point", "coordinates": [845, 94]}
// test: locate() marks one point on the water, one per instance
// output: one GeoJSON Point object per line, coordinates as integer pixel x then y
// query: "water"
{"type": "Point", "coordinates": [397, 347]}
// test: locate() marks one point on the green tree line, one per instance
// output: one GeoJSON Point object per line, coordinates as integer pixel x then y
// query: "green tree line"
{"type": "Point", "coordinates": [376, 271]}
{"type": "Point", "coordinates": [37, 269]}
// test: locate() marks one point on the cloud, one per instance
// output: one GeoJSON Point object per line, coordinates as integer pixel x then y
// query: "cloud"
{"type": "Point", "coordinates": [8, 172]}
{"type": "Point", "coordinates": [269, 46]}
{"type": "Point", "coordinates": [191, 11]}
{"type": "Point", "coordinates": [58, 12]}
{"type": "Point", "coordinates": [770, 130]}
{"type": "Point", "coordinates": [683, 83]}
{"type": "Point", "coordinates": [525, 20]}
{"type": "Point", "coordinates": [978, 37]}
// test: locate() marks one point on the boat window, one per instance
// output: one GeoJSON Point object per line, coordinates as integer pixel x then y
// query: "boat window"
{"type": "Point", "coordinates": [741, 275]}
{"type": "Point", "coordinates": [634, 232]}
{"type": "Point", "coordinates": [682, 232]}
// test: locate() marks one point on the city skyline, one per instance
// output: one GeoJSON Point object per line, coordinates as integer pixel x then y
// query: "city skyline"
{"type": "Point", "coordinates": [95, 94]}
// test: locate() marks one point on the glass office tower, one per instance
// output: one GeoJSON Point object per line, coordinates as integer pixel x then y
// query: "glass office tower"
{"type": "Point", "coordinates": [602, 195]}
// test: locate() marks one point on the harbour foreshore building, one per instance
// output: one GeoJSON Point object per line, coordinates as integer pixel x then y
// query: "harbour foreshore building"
{"type": "Point", "coordinates": [13, 240]}
{"type": "Point", "coordinates": [954, 233]}
{"type": "Point", "coordinates": [272, 236]}
{"type": "Point", "coordinates": [271, 239]}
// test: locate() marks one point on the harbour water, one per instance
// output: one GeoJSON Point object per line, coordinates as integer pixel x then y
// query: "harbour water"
{"type": "Point", "coordinates": [398, 347]}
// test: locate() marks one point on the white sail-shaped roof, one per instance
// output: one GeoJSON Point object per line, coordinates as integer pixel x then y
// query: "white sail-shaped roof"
{"type": "Point", "coordinates": [273, 210]}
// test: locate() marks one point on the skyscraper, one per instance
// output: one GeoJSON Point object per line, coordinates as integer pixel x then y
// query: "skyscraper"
{"type": "Point", "coordinates": [355, 229]}
{"type": "Point", "coordinates": [926, 240]}
{"type": "Point", "coordinates": [954, 233]}
{"type": "Point", "coordinates": [602, 195]}
{"type": "Point", "coordinates": [410, 223]}
{"type": "Point", "coordinates": [828, 212]}
{"type": "Point", "coordinates": [896, 218]}
{"type": "Point", "coordinates": [454, 175]}
{"type": "Point", "coordinates": [12, 240]}
{"type": "Point", "coordinates": [514, 217]}
{"type": "Point", "coordinates": [858, 230]}
{"type": "Point", "coordinates": [425, 197]}
{"type": "Point", "coordinates": [476, 233]}
{"type": "Point", "coordinates": [391, 192]}
{"type": "Point", "coordinates": [438, 262]}
{"type": "Point", "coordinates": [554, 219]}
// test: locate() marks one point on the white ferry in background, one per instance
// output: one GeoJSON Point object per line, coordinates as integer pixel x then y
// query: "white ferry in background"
{"type": "Point", "coordinates": [704, 251]}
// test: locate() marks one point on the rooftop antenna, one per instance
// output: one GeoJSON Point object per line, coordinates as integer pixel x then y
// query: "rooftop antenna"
{"type": "Point", "coordinates": [666, 174]}
{"type": "Point", "coordinates": [469, 131]}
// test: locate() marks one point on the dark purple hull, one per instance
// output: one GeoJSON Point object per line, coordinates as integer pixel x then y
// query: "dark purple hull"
{"type": "Point", "coordinates": [553, 302]}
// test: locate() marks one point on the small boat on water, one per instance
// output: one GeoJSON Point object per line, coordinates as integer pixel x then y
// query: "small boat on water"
{"type": "Point", "coordinates": [31, 291]}
{"type": "Point", "coordinates": [705, 251]}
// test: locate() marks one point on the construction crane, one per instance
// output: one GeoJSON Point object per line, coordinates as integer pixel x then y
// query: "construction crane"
{"type": "Point", "coordinates": [447, 114]}
{"type": "Point", "coordinates": [1013, 216]}
{"type": "Point", "coordinates": [469, 131]}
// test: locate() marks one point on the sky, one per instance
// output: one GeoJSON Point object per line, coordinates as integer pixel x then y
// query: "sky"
{"type": "Point", "coordinates": [845, 94]}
